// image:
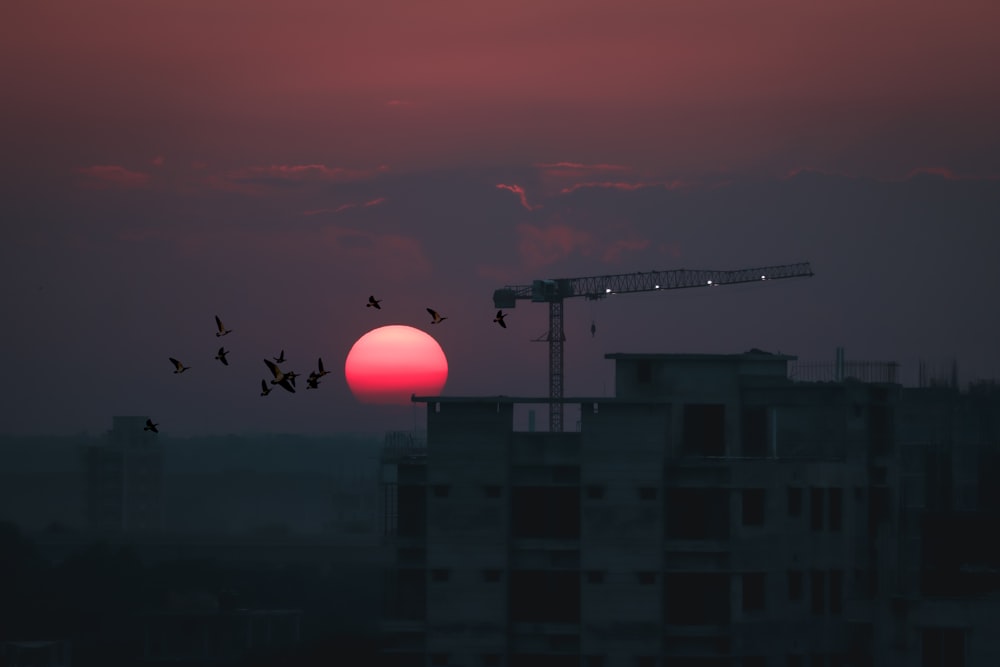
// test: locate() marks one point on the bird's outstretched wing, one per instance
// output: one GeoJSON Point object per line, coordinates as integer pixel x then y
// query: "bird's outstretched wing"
{"type": "Point", "coordinates": [275, 371]}
{"type": "Point", "coordinates": [222, 330]}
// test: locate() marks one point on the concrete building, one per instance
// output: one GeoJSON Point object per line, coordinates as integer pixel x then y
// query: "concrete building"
{"type": "Point", "coordinates": [713, 512]}
{"type": "Point", "coordinates": [946, 604]}
{"type": "Point", "coordinates": [125, 479]}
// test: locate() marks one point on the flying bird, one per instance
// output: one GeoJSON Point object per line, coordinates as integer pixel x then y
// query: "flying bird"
{"type": "Point", "coordinates": [322, 371]}
{"type": "Point", "coordinates": [150, 426]}
{"type": "Point", "coordinates": [280, 378]}
{"type": "Point", "coordinates": [178, 366]}
{"type": "Point", "coordinates": [312, 382]}
{"type": "Point", "coordinates": [437, 317]}
{"type": "Point", "coordinates": [222, 330]}
{"type": "Point", "coordinates": [373, 303]}
{"type": "Point", "coordinates": [280, 359]}
{"type": "Point", "coordinates": [221, 356]}
{"type": "Point", "coordinates": [499, 318]}
{"type": "Point", "coordinates": [264, 389]}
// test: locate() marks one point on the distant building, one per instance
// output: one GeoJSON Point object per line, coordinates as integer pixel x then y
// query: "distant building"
{"type": "Point", "coordinates": [219, 636]}
{"type": "Point", "coordinates": [125, 479]}
{"type": "Point", "coordinates": [714, 512]}
{"type": "Point", "coordinates": [36, 653]}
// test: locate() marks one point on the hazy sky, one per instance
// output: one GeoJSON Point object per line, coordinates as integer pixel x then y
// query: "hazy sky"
{"type": "Point", "coordinates": [277, 162]}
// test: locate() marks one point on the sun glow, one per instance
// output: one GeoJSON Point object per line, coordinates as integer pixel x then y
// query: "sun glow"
{"type": "Point", "coordinates": [389, 364]}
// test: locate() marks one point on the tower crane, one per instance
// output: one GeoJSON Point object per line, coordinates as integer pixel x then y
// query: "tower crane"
{"type": "Point", "coordinates": [555, 291]}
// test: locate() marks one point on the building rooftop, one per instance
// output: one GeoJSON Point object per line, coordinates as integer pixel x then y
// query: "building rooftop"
{"type": "Point", "coordinates": [754, 354]}
{"type": "Point", "coordinates": [501, 398]}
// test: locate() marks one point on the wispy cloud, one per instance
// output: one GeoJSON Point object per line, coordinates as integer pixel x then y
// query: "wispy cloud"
{"type": "Point", "coordinates": [607, 185]}
{"type": "Point", "coordinates": [949, 174]}
{"type": "Point", "coordinates": [944, 173]}
{"type": "Point", "coordinates": [798, 171]}
{"type": "Point", "coordinates": [627, 186]}
{"type": "Point", "coordinates": [669, 248]}
{"type": "Point", "coordinates": [519, 191]}
{"type": "Point", "coordinates": [335, 209]}
{"type": "Point", "coordinates": [258, 179]}
{"type": "Point", "coordinates": [113, 175]}
{"type": "Point", "coordinates": [568, 168]}
{"type": "Point", "coordinates": [345, 207]}
{"type": "Point", "coordinates": [394, 254]}
{"type": "Point", "coordinates": [541, 246]}
{"type": "Point", "coordinates": [614, 251]}
{"type": "Point", "coordinates": [940, 172]}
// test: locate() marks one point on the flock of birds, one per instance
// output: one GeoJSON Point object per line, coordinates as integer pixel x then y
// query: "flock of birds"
{"type": "Point", "coordinates": [286, 379]}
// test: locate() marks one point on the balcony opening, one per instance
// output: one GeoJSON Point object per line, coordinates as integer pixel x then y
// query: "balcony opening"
{"type": "Point", "coordinates": [704, 431]}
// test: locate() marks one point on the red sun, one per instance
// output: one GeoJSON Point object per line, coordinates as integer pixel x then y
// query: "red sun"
{"type": "Point", "coordinates": [389, 364]}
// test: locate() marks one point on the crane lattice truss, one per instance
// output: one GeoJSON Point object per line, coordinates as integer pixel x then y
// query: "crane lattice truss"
{"type": "Point", "coordinates": [555, 291]}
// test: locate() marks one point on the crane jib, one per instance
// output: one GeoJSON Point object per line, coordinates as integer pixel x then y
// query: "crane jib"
{"type": "Point", "coordinates": [597, 287]}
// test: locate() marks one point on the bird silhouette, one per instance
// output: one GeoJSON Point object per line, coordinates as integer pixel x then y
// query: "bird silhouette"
{"type": "Point", "coordinates": [373, 303]}
{"type": "Point", "coordinates": [264, 389]}
{"type": "Point", "coordinates": [221, 356]}
{"type": "Point", "coordinates": [150, 426]}
{"type": "Point", "coordinates": [499, 318]}
{"type": "Point", "coordinates": [322, 371]}
{"type": "Point", "coordinates": [437, 317]}
{"type": "Point", "coordinates": [312, 382]}
{"type": "Point", "coordinates": [280, 359]}
{"type": "Point", "coordinates": [178, 366]}
{"type": "Point", "coordinates": [222, 330]}
{"type": "Point", "coordinates": [280, 378]}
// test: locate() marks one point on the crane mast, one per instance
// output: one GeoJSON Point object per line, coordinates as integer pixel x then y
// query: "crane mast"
{"type": "Point", "coordinates": [555, 291]}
